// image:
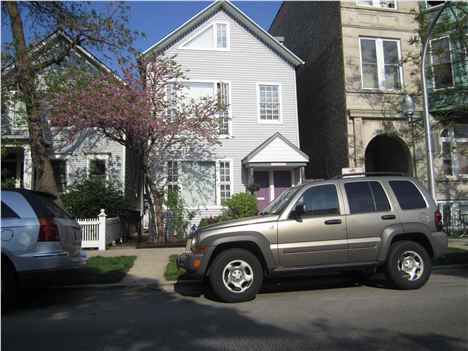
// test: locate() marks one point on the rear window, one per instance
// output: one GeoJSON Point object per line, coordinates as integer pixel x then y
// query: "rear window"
{"type": "Point", "coordinates": [366, 197]}
{"type": "Point", "coordinates": [7, 212]}
{"type": "Point", "coordinates": [54, 207]}
{"type": "Point", "coordinates": [408, 195]}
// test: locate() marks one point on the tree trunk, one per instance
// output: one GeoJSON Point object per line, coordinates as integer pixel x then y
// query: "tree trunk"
{"type": "Point", "coordinates": [158, 206]}
{"type": "Point", "coordinates": [44, 174]}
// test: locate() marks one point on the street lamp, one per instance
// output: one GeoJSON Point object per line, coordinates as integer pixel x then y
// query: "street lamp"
{"type": "Point", "coordinates": [408, 106]}
{"type": "Point", "coordinates": [425, 105]}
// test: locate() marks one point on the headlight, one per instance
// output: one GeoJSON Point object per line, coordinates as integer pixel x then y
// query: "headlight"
{"type": "Point", "coordinates": [188, 246]}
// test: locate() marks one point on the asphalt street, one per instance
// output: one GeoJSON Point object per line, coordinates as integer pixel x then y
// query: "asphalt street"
{"type": "Point", "coordinates": [314, 313]}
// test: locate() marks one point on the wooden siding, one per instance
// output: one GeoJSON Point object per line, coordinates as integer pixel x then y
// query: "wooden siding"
{"type": "Point", "coordinates": [247, 63]}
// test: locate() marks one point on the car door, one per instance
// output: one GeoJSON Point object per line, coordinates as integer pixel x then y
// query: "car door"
{"type": "Point", "coordinates": [370, 213]}
{"type": "Point", "coordinates": [319, 236]}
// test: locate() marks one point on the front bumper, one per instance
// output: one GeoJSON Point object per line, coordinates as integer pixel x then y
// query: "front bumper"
{"type": "Point", "coordinates": [192, 263]}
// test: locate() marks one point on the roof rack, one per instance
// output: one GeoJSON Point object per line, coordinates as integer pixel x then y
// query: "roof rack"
{"type": "Point", "coordinates": [370, 174]}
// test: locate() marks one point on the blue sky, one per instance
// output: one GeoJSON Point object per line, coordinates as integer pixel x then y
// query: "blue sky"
{"type": "Point", "coordinates": [158, 18]}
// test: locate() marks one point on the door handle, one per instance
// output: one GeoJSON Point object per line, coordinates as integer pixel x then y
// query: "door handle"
{"type": "Point", "coordinates": [387, 217]}
{"type": "Point", "coordinates": [333, 221]}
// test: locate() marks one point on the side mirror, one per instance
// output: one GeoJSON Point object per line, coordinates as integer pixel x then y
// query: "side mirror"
{"type": "Point", "coordinates": [299, 211]}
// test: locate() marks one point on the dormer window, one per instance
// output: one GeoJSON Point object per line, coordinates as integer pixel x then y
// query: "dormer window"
{"type": "Point", "coordinates": [214, 37]}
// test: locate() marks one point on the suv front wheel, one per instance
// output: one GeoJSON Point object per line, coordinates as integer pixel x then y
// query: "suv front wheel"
{"type": "Point", "coordinates": [236, 275]}
{"type": "Point", "coordinates": [408, 265]}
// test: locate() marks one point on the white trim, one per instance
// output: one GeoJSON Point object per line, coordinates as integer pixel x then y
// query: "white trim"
{"type": "Point", "coordinates": [376, 4]}
{"type": "Point", "coordinates": [432, 62]}
{"type": "Point", "coordinates": [231, 9]}
{"type": "Point", "coordinates": [179, 28]}
{"type": "Point", "coordinates": [379, 51]}
{"type": "Point", "coordinates": [215, 82]}
{"type": "Point", "coordinates": [218, 179]}
{"type": "Point", "coordinates": [200, 30]}
{"type": "Point", "coordinates": [452, 141]}
{"type": "Point", "coordinates": [280, 101]}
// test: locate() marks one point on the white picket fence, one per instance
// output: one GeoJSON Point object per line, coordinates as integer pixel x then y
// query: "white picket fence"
{"type": "Point", "coordinates": [99, 232]}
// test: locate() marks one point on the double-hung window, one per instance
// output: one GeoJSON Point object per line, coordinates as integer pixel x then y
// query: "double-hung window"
{"type": "Point", "coordinates": [225, 180]}
{"type": "Point", "coordinates": [171, 99]}
{"type": "Point", "coordinates": [200, 183]}
{"type": "Point", "coordinates": [218, 91]}
{"type": "Point", "coordinates": [172, 176]}
{"type": "Point", "coordinates": [269, 100]}
{"type": "Point", "coordinates": [97, 168]}
{"type": "Point", "coordinates": [389, 4]}
{"type": "Point", "coordinates": [441, 63]}
{"type": "Point", "coordinates": [455, 151]}
{"type": "Point", "coordinates": [380, 64]}
{"type": "Point", "coordinates": [222, 89]}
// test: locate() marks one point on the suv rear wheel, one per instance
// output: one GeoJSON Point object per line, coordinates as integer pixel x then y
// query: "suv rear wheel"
{"type": "Point", "coordinates": [408, 265]}
{"type": "Point", "coordinates": [236, 275]}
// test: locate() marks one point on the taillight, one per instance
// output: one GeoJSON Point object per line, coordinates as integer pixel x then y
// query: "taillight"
{"type": "Point", "coordinates": [48, 230]}
{"type": "Point", "coordinates": [438, 220]}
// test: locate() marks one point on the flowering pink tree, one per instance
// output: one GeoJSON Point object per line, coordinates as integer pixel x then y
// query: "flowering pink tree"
{"type": "Point", "coordinates": [147, 111]}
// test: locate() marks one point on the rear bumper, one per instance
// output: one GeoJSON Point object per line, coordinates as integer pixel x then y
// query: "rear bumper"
{"type": "Point", "coordinates": [439, 243]}
{"type": "Point", "coordinates": [49, 277]}
{"type": "Point", "coordinates": [48, 268]}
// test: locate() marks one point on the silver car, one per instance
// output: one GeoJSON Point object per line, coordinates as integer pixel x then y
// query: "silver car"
{"type": "Point", "coordinates": [41, 242]}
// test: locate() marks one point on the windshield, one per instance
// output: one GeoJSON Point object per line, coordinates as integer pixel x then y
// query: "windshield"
{"type": "Point", "coordinates": [280, 202]}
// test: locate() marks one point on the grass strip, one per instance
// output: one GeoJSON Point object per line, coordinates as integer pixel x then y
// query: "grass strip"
{"type": "Point", "coordinates": [172, 273]}
{"type": "Point", "coordinates": [104, 270]}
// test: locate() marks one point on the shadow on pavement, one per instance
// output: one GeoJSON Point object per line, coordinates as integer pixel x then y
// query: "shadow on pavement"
{"type": "Point", "coordinates": [149, 318]}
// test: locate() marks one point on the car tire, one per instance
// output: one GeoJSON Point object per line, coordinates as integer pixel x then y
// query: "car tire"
{"type": "Point", "coordinates": [236, 275]}
{"type": "Point", "coordinates": [408, 265]}
{"type": "Point", "coordinates": [10, 286]}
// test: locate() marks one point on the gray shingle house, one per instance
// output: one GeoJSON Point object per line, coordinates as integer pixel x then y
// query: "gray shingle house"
{"type": "Point", "coordinates": [227, 54]}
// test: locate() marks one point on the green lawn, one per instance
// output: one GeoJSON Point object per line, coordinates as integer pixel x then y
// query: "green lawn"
{"type": "Point", "coordinates": [172, 273]}
{"type": "Point", "coordinates": [104, 270]}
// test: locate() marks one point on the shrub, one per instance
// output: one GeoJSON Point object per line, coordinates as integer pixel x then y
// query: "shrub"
{"type": "Point", "coordinates": [179, 217]}
{"type": "Point", "coordinates": [86, 199]}
{"type": "Point", "coordinates": [241, 205]}
{"type": "Point", "coordinates": [209, 220]}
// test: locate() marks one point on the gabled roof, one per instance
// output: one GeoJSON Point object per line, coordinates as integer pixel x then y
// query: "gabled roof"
{"type": "Point", "coordinates": [238, 15]}
{"type": "Point", "coordinates": [276, 149]}
{"type": "Point", "coordinates": [60, 35]}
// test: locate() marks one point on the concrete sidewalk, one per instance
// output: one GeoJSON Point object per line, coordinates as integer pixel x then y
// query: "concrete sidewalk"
{"type": "Point", "coordinates": [150, 264]}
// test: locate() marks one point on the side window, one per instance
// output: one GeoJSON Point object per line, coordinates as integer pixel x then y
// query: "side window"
{"type": "Point", "coordinates": [321, 200]}
{"type": "Point", "coordinates": [7, 212]}
{"type": "Point", "coordinates": [366, 197]}
{"type": "Point", "coordinates": [408, 195]}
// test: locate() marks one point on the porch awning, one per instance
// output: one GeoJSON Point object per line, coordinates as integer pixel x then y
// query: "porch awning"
{"type": "Point", "coordinates": [276, 151]}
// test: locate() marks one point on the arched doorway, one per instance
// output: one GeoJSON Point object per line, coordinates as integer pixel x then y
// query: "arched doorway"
{"type": "Point", "coordinates": [387, 153]}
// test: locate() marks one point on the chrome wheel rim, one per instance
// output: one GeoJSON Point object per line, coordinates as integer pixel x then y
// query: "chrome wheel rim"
{"type": "Point", "coordinates": [411, 265]}
{"type": "Point", "coordinates": [237, 276]}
